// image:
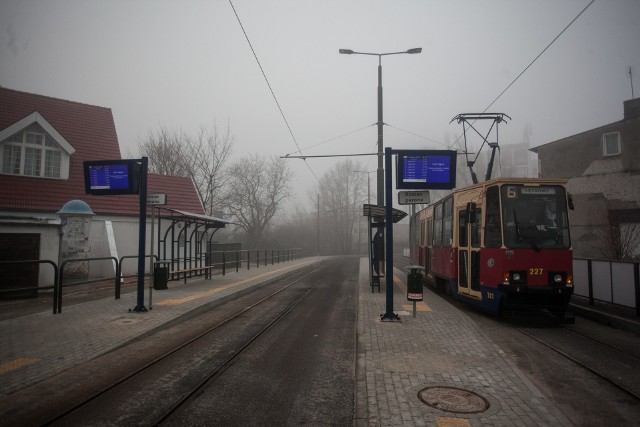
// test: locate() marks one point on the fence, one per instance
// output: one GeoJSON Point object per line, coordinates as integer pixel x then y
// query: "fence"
{"type": "Point", "coordinates": [613, 282]}
{"type": "Point", "coordinates": [234, 258]}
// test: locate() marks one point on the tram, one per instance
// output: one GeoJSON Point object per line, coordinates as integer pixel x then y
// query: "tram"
{"type": "Point", "coordinates": [502, 245]}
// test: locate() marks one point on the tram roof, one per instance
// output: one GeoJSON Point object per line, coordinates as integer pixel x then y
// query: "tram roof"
{"type": "Point", "coordinates": [379, 212]}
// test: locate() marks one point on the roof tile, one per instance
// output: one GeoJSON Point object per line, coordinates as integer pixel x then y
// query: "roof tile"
{"type": "Point", "coordinates": [91, 131]}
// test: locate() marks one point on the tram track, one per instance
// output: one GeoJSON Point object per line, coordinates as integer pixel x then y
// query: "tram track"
{"type": "Point", "coordinates": [72, 414]}
{"type": "Point", "coordinates": [585, 365]}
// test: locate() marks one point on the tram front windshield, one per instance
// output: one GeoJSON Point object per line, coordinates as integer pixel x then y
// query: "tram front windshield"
{"type": "Point", "coordinates": [535, 217]}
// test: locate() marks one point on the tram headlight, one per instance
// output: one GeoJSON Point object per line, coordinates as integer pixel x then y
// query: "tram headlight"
{"type": "Point", "coordinates": [560, 278]}
{"type": "Point", "coordinates": [515, 277]}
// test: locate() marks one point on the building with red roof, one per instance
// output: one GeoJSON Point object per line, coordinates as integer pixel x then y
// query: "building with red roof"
{"type": "Point", "coordinates": [43, 144]}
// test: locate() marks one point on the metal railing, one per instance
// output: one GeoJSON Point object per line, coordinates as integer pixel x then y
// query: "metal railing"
{"type": "Point", "coordinates": [613, 282]}
{"type": "Point", "coordinates": [37, 288]}
{"type": "Point", "coordinates": [84, 282]}
{"type": "Point", "coordinates": [253, 257]}
{"type": "Point", "coordinates": [262, 256]}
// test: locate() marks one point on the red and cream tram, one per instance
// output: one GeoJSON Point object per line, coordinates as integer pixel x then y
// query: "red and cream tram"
{"type": "Point", "coordinates": [502, 245]}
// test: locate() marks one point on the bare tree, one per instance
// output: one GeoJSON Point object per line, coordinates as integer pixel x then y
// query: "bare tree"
{"type": "Point", "coordinates": [342, 193]}
{"type": "Point", "coordinates": [209, 152]}
{"type": "Point", "coordinates": [256, 189]}
{"type": "Point", "coordinates": [618, 237]}
{"type": "Point", "coordinates": [201, 157]}
{"type": "Point", "coordinates": [621, 242]}
{"type": "Point", "coordinates": [166, 150]}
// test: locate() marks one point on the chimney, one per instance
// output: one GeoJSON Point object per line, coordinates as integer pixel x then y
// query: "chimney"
{"type": "Point", "coordinates": [631, 109]}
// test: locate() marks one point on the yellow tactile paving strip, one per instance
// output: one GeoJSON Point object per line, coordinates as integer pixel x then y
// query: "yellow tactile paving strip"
{"type": "Point", "coordinates": [17, 364]}
{"type": "Point", "coordinates": [176, 301]}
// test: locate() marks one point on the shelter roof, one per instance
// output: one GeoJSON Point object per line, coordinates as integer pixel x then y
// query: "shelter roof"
{"type": "Point", "coordinates": [379, 212]}
{"type": "Point", "coordinates": [181, 215]}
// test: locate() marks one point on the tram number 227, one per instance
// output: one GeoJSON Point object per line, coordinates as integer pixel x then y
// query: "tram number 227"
{"type": "Point", "coordinates": [535, 271]}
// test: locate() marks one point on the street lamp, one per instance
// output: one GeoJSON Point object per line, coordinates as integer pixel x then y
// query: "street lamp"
{"type": "Point", "coordinates": [380, 176]}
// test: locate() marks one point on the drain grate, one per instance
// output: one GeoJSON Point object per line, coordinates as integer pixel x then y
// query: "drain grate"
{"type": "Point", "coordinates": [453, 399]}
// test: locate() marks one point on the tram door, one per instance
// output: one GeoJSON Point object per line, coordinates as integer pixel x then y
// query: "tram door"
{"type": "Point", "coordinates": [469, 250]}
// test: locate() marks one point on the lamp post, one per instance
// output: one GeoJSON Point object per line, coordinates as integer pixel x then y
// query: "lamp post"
{"type": "Point", "coordinates": [380, 171]}
{"type": "Point", "coordinates": [380, 175]}
{"type": "Point", "coordinates": [368, 224]}
{"type": "Point", "coordinates": [369, 202]}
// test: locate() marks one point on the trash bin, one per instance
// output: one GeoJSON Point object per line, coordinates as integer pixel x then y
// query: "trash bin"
{"type": "Point", "coordinates": [414, 283]}
{"type": "Point", "coordinates": [160, 277]}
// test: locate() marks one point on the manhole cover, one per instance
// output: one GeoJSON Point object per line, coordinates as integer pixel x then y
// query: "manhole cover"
{"type": "Point", "coordinates": [453, 400]}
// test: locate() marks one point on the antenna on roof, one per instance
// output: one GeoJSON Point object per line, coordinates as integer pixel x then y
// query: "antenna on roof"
{"type": "Point", "coordinates": [631, 78]}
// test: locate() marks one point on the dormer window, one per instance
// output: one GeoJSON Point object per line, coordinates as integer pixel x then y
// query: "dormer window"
{"type": "Point", "coordinates": [31, 153]}
{"type": "Point", "coordinates": [611, 144]}
{"type": "Point", "coordinates": [32, 147]}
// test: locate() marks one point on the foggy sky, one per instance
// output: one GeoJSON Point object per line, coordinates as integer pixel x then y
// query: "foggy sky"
{"type": "Point", "coordinates": [182, 64]}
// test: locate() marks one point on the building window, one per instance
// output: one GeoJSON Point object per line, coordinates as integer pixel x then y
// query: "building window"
{"type": "Point", "coordinates": [31, 153]}
{"type": "Point", "coordinates": [611, 144]}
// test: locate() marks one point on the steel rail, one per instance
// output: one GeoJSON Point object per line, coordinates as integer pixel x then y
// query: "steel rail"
{"type": "Point", "coordinates": [78, 406]}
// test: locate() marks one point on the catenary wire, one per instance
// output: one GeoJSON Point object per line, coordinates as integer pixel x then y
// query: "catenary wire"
{"type": "Point", "coordinates": [531, 63]}
{"type": "Point", "coordinates": [270, 88]}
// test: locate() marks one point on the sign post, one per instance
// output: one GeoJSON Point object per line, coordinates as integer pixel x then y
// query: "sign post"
{"type": "Point", "coordinates": [153, 199]}
{"type": "Point", "coordinates": [123, 176]}
{"type": "Point", "coordinates": [413, 197]}
{"type": "Point", "coordinates": [415, 170]}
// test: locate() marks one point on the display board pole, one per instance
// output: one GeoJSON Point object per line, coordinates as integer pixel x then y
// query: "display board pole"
{"type": "Point", "coordinates": [389, 314]}
{"type": "Point", "coordinates": [142, 236]}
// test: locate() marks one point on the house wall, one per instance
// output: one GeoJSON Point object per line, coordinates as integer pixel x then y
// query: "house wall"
{"type": "Point", "coordinates": [49, 246]}
{"type": "Point", "coordinates": [125, 233]}
{"type": "Point", "coordinates": [599, 184]}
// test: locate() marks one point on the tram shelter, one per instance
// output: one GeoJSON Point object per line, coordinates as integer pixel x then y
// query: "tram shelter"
{"type": "Point", "coordinates": [183, 239]}
{"type": "Point", "coordinates": [376, 221]}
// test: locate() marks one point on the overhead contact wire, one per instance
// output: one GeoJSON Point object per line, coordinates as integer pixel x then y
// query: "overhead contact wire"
{"type": "Point", "coordinates": [270, 88]}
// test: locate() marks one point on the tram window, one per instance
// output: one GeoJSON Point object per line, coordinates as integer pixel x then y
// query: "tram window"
{"type": "Point", "coordinates": [447, 231]}
{"type": "Point", "coordinates": [462, 229]}
{"type": "Point", "coordinates": [437, 225]}
{"type": "Point", "coordinates": [476, 228]}
{"type": "Point", "coordinates": [430, 232]}
{"type": "Point", "coordinates": [535, 217]}
{"type": "Point", "coordinates": [492, 234]}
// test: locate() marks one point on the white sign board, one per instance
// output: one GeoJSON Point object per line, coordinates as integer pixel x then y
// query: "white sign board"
{"type": "Point", "coordinates": [413, 197]}
{"type": "Point", "coordinates": [157, 199]}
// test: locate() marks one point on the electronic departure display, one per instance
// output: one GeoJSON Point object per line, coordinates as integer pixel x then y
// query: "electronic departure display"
{"type": "Point", "coordinates": [107, 177]}
{"type": "Point", "coordinates": [425, 169]}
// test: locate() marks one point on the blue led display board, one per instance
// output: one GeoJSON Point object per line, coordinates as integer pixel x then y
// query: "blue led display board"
{"type": "Point", "coordinates": [425, 169]}
{"type": "Point", "coordinates": [109, 177]}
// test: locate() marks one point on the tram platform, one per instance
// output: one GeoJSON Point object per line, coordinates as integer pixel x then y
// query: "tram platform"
{"type": "Point", "coordinates": [439, 356]}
